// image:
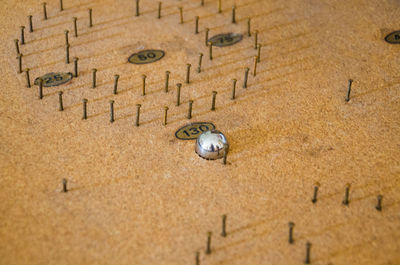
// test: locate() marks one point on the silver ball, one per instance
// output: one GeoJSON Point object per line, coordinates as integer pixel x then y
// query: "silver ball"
{"type": "Point", "coordinates": [211, 145]}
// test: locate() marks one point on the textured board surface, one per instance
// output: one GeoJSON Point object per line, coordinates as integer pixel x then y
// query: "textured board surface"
{"type": "Point", "coordinates": [138, 195]}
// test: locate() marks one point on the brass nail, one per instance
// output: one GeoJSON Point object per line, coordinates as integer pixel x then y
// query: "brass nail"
{"type": "Point", "coordinates": [84, 101]}
{"type": "Point", "coordinates": [30, 23]}
{"type": "Point", "coordinates": [143, 85]}
{"type": "Point", "coordinates": [246, 75]}
{"type": "Point", "coordinates": [196, 30]}
{"type": "Point", "coordinates": [188, 73]}
{"type": "Point", "coordinates": [233, 89]}
{"type": "Point", "coordinates": [137, 114]}
{"type": "Point", "coordinates": [75, 27]}
{"type": "Point", "coordinates": [115, 91]}
{"type": "Point", "coordinates": [181, 14]}
{"type": "Point", "coordinates": [22, 35]}
{"type": "Point", "coordinates": [166, 81]}
{"type": "Point", "coordinates": [111, 111]}
{"type": "Point", "coordinates": [28, 79]}
{"type": "Point", "coordinates": [165, 115]}
{"type": "Point", "coordinates": [214, 97]}
{"type": "Point", "coordinates": [200, 59]}
{"type": "Point", "coordinates": [210, 45]}
{"type": "Point", "coordinates": [60, 101]}
{"type": "Point", "coordinates": [189, 116]}
{"type": "Point", "coordinates": [90, 18]}
{"type": "Point", "coordinates": [178, 94]}
{"type": "Point", "coordinates": [94, 71]}
{"type": "Point", "coordinates": [44, 10]}
{"type": "Point", "coordinates": [76, 66]}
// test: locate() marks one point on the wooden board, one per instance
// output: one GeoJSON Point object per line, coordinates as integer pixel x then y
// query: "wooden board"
{"type": "Point", "coordinates": [138, 195]}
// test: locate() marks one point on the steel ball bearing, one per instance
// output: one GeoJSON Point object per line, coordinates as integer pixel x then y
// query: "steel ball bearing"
{"type": "Point", "coordinates": [211, 145]}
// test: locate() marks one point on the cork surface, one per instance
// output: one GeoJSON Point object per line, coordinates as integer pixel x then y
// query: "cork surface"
{"type": "Point", "coordinates": [138, 195]}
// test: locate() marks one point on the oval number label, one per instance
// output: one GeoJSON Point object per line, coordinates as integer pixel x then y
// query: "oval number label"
{"type": "Point", "coordinates": [193, 130]}
{"type": "Point", "coordinates": [226, 39]}
{"type": "Point", "coordinates": [393, 37]}
{"type": "Point", "coordinates": [54, 79]}
{"type": "Point", "coordinates": [147, 56]}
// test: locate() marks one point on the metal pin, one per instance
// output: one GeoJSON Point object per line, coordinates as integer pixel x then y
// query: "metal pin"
{"type": "Point", "coordinates": [116, 77]}
{"type": "Point", "coordinates": [90, 18]}
{"type": "Point", "coordinates": [94, 71]}
{"type": "Point", "coordinates": [233, 89]}
{"type": "Point", "coordinates": [316, 187]}
{"type": "Point", "coordinates": [189, 116]}
{"type": "Point", "coordinates": [259, 53]}
{"type": "Point", "coordinates": [60, 101]}
{"type": "Point", "coordinates": [137, 8]}
{"type": "Point", "coordinates": [308, 248]}
{"type": "Point", "coordinates": [44, 11]}
{"type": "Point", "coordinates": [137, 114]}
{"type": "Point", "coordinates": [22, 35]}
{"type": "Point", "coordinates": [64, 183]}
{"type": "Point", "coordinates": [181, 14]}
{"type": "Point", "coordinates": [197, 258]}
{"type": "Point", "coordinates": [255, 39]}
{"type": "Point", "coordinates": [210, 49]}
{"type": "Point", "coordinates": [166, 81]}
{"type": "Point", "coordinates": [40, 88]}
{"type": "Point", "coordinates": [214, 97]}
{"type": "Point", "coordinates": [84, 101]}
{"type": "Point", "coordinates": [66, 37]}
{"type": "Point", "coordinates": [19, 57]}
{"type": "Point", "coordinates": [61, 5]}
{"type": "Point", "coordinates": [379, 203]}
{"type": "Point", "coordinates": [75, 27]}
{"type": "Point", "coordinates": [291, 226]}
{"type": "Point", "coordinates": [76, 66]}
{"type": "Point", "coordinates": [30, 23]}
{"type": "Point", "coordinates": [225, 155]}
{"type": "Point", "coordinates": [234, 14]}
{"type": "Point", "coordinates": [346, 195]}
{"type": "Point", "coordinates": [196, 31]}
{"type": "Point", "coordinates": [246, 75]}
{"type": "Point", "coordinates": [200, 59]}
{"type": "Point", "coordinates": [248, 27]}
{"type": "Point", "coordinates": [219, 6]}
{"type": "Point", "coordinates": [255, 65]}
{"type": "Point", "coordinates": [188, 73]}
{"type": "Point", "coordinates": [16, 41]}
{"type": "Point", "coordinates": [178, 94]}
{"type": "Point", "coordinates": [67, 54]}
{"type": "Point", "coordinates": [111, 111]}
{"type": "Point", "coordinates": [165, 115]}
{"type": "Point", "coordinates": [223, 233]}
{"type": "Point", "coordinates": [159, 9]}
{"type": "Point", "coordinates": [143, 85]}
{"type": "Point", "coordinates": [206, 36]}
{"type": "Point", "coordinates": [28, 80]}
{"type": "Point", "coordinates": [208, 249]}
{"type": "Point", "coordinates": [349, 90]}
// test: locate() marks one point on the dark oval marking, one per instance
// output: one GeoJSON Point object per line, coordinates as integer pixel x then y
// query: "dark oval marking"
{"type": "Point", "coordinates": [393, 38]}
{"type": "Point", "coordinates": [146, 56]}
{"type": "Point", "coordinates": [226, 39]}
{"type": "Point", "coordinates": [192, 130]}
{"type": "Point", "coordinates": [54, 79]}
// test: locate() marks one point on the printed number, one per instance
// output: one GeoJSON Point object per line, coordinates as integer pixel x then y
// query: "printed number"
{"type": "Point", "coordinates": [53, 79]}
{"type": "Point", "coordinates": [195, 131]}
{"type": "Point", "coordinates": [143, 57]}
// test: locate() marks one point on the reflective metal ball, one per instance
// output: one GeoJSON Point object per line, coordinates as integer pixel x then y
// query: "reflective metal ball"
{"type": "Point", "coordinates": [211, 145]}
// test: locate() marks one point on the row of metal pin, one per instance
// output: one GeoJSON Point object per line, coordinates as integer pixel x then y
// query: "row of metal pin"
{"type": "Point", "coordinates": [346, 199]}
{"type": "Point", "coordinates": [291, 225]}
